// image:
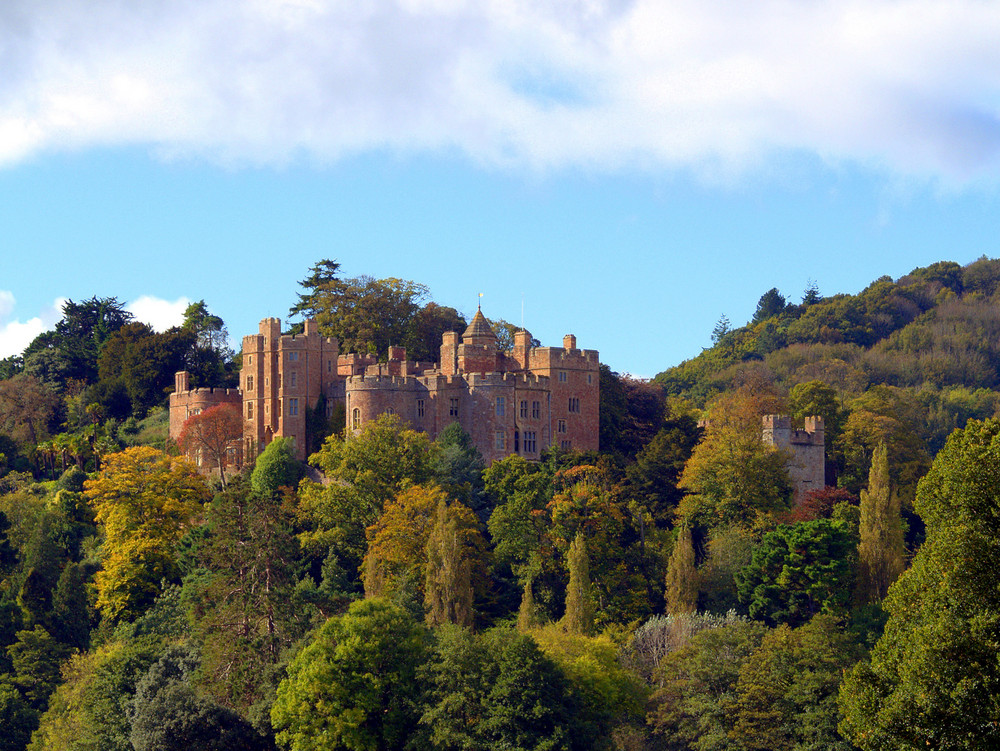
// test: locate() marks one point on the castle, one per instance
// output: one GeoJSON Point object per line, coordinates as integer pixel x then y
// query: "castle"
{"type": "Point", "coordinates": [806, 449]}
{"type": "Point", "coordinates": [517, 402]}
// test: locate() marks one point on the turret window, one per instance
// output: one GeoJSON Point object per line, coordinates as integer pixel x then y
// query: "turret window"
{"type": "Point", "coordinates": [355, 418]}
{"type": "Point", "coordinates": [249, 410]}
{"type": "Point", "coordinates": [562, 376]}
{"type": "Point", "coordinates": [453, 407]}
{"type": "Point", "coordinates": [293, 407]}
{"type": "Point", "coordinates": [420, 407]}
{"type": "Point", "coordinates": [249, 383]}
{"type": "Point", "coordinates": [501, 406]}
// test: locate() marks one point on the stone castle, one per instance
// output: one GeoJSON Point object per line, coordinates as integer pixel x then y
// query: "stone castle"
{"type": "Point", "coordinates": [806, 449]}
{"type": "Point", "coordinates": [516, 402]}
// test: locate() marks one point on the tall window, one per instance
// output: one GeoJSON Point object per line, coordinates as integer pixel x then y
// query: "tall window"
{"type": "Point", "coordinates": [293, 379]}
{"type": "Point", "coordinates": [530, 446]}
{"type": "Point", "coordinates": [524, 409]}
{"type": "Point", "coordinates": [500, 443]}
{"type": "Point", "coordinates": [249, 383]}
{"type": "Point", "coordinates": [355, 418]}
{"type": "Point", "coordinates": [562, 376]}
{"type": "Point", "coordinates": [566, 445]}
{"type": "Point", "coordinates": [249, 410]}
{"type": "Point", "coordinates": [561, 426]}
{"type": "Point", "coordinates": [590, 378]}
{"type": "Point", "coordinates": [420, 407]}
{"type": "Point", "coordinates": [574, 404]}
{"type": "Point", "coordinates": [536, 410]}
{"type": "Point", "coordinates": [501, 406]}
{"type": "Point", "coordinates": [293, 407]}
{"type": "Point", "coordinates": [453, 407]}
{"type": "Point", "coordinates": [249, 359]}
{"type": "Point", "coordinates": [293, 356]}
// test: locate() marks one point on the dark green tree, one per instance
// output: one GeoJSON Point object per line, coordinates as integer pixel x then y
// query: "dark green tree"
{"type": "Point", "coordinates": [798, 571]}
{"type": "Point", "coordinates": [18, 719]}
{"type": "Point", "coordinates": [771, 303]}
{"type": "Point", "coordinates": [275, 468]}
{"type": "Point", "coordinates": [933, 678]}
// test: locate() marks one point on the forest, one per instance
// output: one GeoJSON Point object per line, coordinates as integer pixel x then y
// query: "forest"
{"type": "Point", "coordinates": [665, 593]}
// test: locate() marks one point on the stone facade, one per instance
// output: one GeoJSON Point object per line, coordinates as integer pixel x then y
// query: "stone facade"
{"type": "Point", "coordinates": [517, 402]}
{"type": "Point", "coordinates": [186, 402]}
{"type": "Point", "coordinates": [806, 449]}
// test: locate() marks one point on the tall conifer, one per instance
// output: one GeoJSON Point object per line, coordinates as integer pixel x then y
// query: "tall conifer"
{"type": "Point", "coordinates": [682, 577]}
{"type": "Point", "coordinates": [579, 616]}
{"type": "Point", "coordinates": [880, 552]}
{"type": "Point", "coordinates": [448, 590]}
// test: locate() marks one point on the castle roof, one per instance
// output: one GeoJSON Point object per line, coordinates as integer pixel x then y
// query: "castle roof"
{"type": "Point", "coordinates": [478, 327]}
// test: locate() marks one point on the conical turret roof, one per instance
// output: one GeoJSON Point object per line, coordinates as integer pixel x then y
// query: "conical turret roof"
{"type": "Point", "coordinates": [478, 327]}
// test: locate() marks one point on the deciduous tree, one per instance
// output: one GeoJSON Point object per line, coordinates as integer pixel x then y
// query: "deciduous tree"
{"type": "Point", "coordinates": [210, 436]}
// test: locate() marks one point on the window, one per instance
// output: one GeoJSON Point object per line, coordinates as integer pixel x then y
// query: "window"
{"type": "Point", "coordinates": [453, 407]}
{"type": "Point", "coordinates": [249, 410]}
{"type": "Point", "coordinates": [420, 407]}
{"type": "Point", "coordinates": [500, 443]}
{"type": "Point", "coordinates": [356, 418]}
{"type": "Point", "coordinates": [279, 380]}
{"type": "Point", "coordinates": [561, 426]}
{"type": "Point", "coordinates": [293, 379]}
{"type": "Point", "coordinates": [279, 408]}
{"type": "Point", "coordinates": [530, 446]}
{"type": "Point", "coordinates": [524, 409]}
{"type": "Point", "coordinates": [267, 408]}
{"type": "Point", "coordinates": [293, 407]}
{"type": "Point", "coordinates": [249, 359]}
{"type": "Point", "coordinates": [249, 383]}
{"type": "Point", "coordinates": [390, 411]}
{"type": "Point", "coordinates": [566, 445]}
{"type": "Point", "coordinates": [574, 404]}
{"type": "Point", "coordinates": [562, 376]}
{"type": "Point", "coordinates": [590, 378]}
{"type": "Point", "coordinates": [293, 356]}
{"type": "Point", "coordinates": [536, 410]}
{"type": "Point", "coordinates": [329, 366]}
{"type": "Point", "coordinates": [501, 406]}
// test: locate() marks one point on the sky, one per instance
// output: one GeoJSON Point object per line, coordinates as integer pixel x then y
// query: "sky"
{"type": "Point", "coordinates": [627, 171]}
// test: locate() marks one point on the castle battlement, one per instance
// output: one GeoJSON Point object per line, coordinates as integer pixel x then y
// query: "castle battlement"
{"type": "Point", "coordinates": [807, 447]}
{"type": "Point", "coordinates": [372, 381]}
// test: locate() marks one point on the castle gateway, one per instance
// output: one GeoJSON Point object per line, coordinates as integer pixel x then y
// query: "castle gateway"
{"type": "Point", "coordinates": [516, 402]}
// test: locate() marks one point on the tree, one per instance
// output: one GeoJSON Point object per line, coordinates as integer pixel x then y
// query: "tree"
{"type": "Point", "coordinates": [275, 468]}
{"type": "Point", "coordinates": [209, 436]}
{"type": "Point", "coordinates": [722, 327]}
{"type": "Point", "coordinates": [27, 407]}
{"type": "Point", "coordinates": [168, 714]}
{"type": "Point", "coordinates": [448, 593]}
{"type": "Point", "coordinates": [426, 327]}
{"type": "Point", "coordinates": [17, 718]}
{"type": "Point", "coordinates": [933, 678]}
{"type": "Point", "coordinates": [881, 549]}
{"type": "Point", "coordinates": [579, 617]}
{"type": "Point", "coordinates": [146, 501]}
{"type": "Point", "coordinates": [653, 479]}
{"type": "Point", "coordinates": [36, 658]}
{"type": "Point", "coordinates": [811, 296]}
{"type": "Point", "coordinates": [798, 571]}
{"type": "Point", "coordinates": [355, 685]}
{"type": "Point", "coordinates": [682, 577]}
{"type": "Point", "coordinates": [771, 303]}
{"type": "Point", "coordinates": [459, 467]}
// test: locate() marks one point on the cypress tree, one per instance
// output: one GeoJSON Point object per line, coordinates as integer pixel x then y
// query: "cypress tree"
{"type": "Point", "coordinates": [682, 578]}
{"type": "Point", "coordinates": [448, 590]}
{"type": "Point", "coordinates": [880, 552]}
{"type": "Point", "coordinates": [579, 616]}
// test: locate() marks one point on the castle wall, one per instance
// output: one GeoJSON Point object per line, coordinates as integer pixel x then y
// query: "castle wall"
{"type": "Point", "coordinates": [573, 376]}
{"type": "Point", "coordinates": [186, 402]}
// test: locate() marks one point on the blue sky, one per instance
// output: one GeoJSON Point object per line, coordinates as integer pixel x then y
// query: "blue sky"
{"type": "Point", "coordinates": [626, 171]}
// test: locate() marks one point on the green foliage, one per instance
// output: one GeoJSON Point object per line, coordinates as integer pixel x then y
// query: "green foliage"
{"type": "Point", "coordinates": [168, 714]}
{"type": "Point", "coordinates": [579, 615]}
{"type": "Point", "coordinates": [497, 690]}
{"type": "Point", "coordinates": [933, 677]}
{"type": "Point", "coordinates": [276, 468]}
{"type": "Point", "coordinates": [681, 593]}
{"type": "Point", "coordinates": [448, 595]}
{"type": "Point", "coordinates": [798, 571]}
{"type": "Point", "coordinates": [459, 467]}
{"type": "Point", "coordinates": [771, 303]}
{"type": "Point", "coordinates": [18, 719]}
{"type": "Point", "coordinates": [880, 550]}
{"type": "Point", "coordinates": [354, 686]}
{"type": "Point", "coordinates": [655, 475]}
{"type": "Point", "coordinates": [692, 708]}
{"type": "Point", "coordinates": [36, 658]}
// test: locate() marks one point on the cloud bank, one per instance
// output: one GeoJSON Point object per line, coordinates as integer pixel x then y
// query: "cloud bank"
{"type": "Point", "coordinates": [911, 87]}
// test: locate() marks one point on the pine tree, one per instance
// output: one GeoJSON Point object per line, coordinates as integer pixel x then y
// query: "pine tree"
{"type": "Point", "coordinates": [448, 589]}
{"type": "Point", "coordinates": [880, 552]}
{"type": "Point", "coordinates": [579, 616]}
{"type": "Point", "coordinates": [682, 577]}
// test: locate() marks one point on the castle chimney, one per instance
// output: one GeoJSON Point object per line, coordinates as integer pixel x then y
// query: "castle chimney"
{"type": "Point", "coordinates": [569, 341]}
{"type": "Point", "coordinates": [182, 381]}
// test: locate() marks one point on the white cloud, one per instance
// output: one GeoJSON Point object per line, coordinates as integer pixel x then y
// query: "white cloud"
{"type": "Point", "coordinates": [908, 86]}
{"type": "Point", "coordinates": [15, 335]}
{"type": "Point", "coordinates": [160, 314]}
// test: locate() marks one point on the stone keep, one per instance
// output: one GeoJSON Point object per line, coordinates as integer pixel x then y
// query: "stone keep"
{"type": "Point", "coordinates": [806, 449]}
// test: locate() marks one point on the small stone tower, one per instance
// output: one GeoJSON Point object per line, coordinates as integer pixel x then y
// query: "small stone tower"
{"type": "Point", "coordinates": [807, 447]}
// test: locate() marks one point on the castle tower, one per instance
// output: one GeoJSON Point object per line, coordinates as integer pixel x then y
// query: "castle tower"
{"type": "Point", "coordinates": [478, 351]}
{"type": "Point", "coordinates": [806, 449]}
